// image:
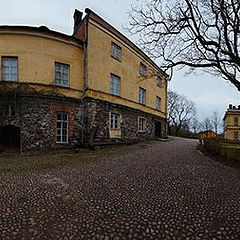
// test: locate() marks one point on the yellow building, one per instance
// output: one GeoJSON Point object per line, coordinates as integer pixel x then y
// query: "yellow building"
{"type": "Point", "coordinates": [207, 134]}
{"type": "Point", "coordinates": [94, 87]}
{"type": "Point", "coordinates": [232, 123]}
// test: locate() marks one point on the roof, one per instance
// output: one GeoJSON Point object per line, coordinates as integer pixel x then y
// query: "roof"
{"type": "Point", "coordinates": [231, 112]}
{"type": "Point", "coordinates": [203, 132]}
{"type": "Point", "coordinates": [42, 30]}
{"type": "Point", "coordinates": [92, 15]}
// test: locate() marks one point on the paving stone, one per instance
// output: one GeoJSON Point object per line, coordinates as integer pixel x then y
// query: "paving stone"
{"type": "Point", "coordinates": [163, 191]}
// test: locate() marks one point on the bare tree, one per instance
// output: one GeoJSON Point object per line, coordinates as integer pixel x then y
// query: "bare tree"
{"type": "Point", "coordinates": [216, 121]}
{"type": "Point", "coordinates": [206, 125]}
{"type": "Point", "coordinates": [180, 111]}
{"type": "Point", "coordinates": [195, 125]}
{"type": "Point", "coordinates": [195, 33]}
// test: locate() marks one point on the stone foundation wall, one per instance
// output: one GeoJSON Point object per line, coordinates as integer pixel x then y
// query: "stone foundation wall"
{"type": "Point", "coordinates": [36, 117]}
{"type": "Point", "coordinates": [97, 123]}
{"type": "Point", "coordinates": [88, 122]}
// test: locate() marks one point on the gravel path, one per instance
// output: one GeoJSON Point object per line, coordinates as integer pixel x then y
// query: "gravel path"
{"type": "Point", "coordinates": [161, 190]}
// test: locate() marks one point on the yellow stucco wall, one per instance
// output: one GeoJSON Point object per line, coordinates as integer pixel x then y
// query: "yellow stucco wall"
{"type": "Point", "coordinates": [36, 60]}
{"type": "Point", "coordinates": [101, 65]}
{"type": "Point", "coordinates": [229, 127]}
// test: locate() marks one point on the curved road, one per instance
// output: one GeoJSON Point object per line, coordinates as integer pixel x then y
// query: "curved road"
{"type": "Point", "coordinates": [160, 190]}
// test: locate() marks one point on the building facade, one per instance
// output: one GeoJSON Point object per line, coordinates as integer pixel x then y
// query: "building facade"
{"type": "Point", "coordinates": [94, 87]}
{"type": "Point", "coordinates": [232, 123]}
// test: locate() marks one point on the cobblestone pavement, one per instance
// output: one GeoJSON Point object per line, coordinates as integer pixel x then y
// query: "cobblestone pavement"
{"type": "Point", "coordinates": [161, 190]}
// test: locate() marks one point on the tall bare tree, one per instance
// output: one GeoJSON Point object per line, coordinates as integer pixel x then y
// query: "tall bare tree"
{"type": "Point", "coordinates": [195, 125]}
{"type": "Point", "coordinates": [195, 33]}
{"type": "Point", "coordinates": [216, 121]}
{"type": "Point", "coordinates": [180, 111]}
{"type": "Point", "coordinates": [206, 124]}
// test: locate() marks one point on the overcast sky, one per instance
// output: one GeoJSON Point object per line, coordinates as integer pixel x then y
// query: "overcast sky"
{"type": "Point", "coordinates": [209, 93]}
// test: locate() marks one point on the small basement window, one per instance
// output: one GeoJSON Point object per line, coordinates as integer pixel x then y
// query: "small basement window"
{"type": "Point", "coordinates": [141, 124]}
{"type": "Point", "coordinates": [114, 121]}
{"type": "Point", "coordinates": [62, 127]}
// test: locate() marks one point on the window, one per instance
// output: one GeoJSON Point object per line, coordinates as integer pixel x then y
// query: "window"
{"type": "Point", "coordinates": [141, 124]}
{"type": "Point", "coordinates": [236, 135]}
{"type": "Point", "coordinates": [236, 121]}
{"type": "Point", "coordinates": [114, 121]}
{"type": "Point", "coordinates": [62, 127]}
{"type": "Point", "coordinates": [142, 95]}
{"type": "Point", "coordinates": [159, 81]}
{"type": "Point", "coordinates": [158, 102]}
{"type": "Point", "coordinates": [143, 70]}
{"type": "Point", "coordinates": [116, 51]}
{"type": "Point", "coordinates": [61, 74]}
{"type": "Point", "coordinates": [115, 85]}
{"type": "Point", "coordinates": [9, 68]}
{"type": "Point", "coordinates": [9, 110]}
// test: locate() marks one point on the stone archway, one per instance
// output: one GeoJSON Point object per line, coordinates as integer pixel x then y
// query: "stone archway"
{"type": "Point", "coordinates": [9, 138]}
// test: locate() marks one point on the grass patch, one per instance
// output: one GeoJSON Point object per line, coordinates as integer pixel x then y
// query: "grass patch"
{"type": "Point", "coordinates": [23, 163]}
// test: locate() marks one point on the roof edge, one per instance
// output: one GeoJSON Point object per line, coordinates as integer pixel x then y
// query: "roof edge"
{"type": "Point", "coordinates": [116, 32]}
{"type": "Point", "coordinates": [40, 29]}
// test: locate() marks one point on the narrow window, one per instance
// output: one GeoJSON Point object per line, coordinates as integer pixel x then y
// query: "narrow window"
{"type": "Point", "coordinates": [116, 51]}
{"type": "Point", "coordinates": [9, 110]}
{"type": "Point", "coordinates": [114, 121]}
{"type": "Point", "coordinates": [236, 136]}
{"type": "Point", "coordinates": [9, 68]}
{"type": "Point", "coordinates": [236, 121]}
{"type": "Point", "coordinates": [158, 102]}
{"type": "Point", "coordinates": [61, 74]}
{"type": "Point", "coordinates": [143, 70]}
{"type": "Point", "coordinates": [142, 95]}
{"type": "Point", "coordinates": [141, 124]}
{"type": "Point", "coordinates": [159, 81]}
{"type": "Point", "coordinates": [62, 127]}
{"type": "Point", "coordinates": [115, 84]}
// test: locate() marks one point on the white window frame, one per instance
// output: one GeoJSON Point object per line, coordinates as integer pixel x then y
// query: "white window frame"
{"type": "Point", "coordinates": [114, 120]}
{"type": "Point", "coordinates": [10, 69]}
{"type": "Point", "coordinates": [142, 95]}
{"type": "Point", "coordinates": [64, 70]}
{"type": "Point", "coordinates": [116, 51]}
{"type": "Point", "coordinates": [141, 124]}
{"type": "Point", "coordinates": [115, 84]}
{"type": "Point", "coordinates": [142, 69]}
{"type": "Point", "coordinates": [59, 130]}
{"type": "Point", "coordinates": [158, 103]}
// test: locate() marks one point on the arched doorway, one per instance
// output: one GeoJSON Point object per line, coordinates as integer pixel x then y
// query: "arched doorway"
{"type": "Point", "coordinates": [10, 138]}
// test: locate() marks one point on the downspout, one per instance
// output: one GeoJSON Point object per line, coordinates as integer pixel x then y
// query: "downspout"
{"type": "Point", "coordinates": [85, 76]}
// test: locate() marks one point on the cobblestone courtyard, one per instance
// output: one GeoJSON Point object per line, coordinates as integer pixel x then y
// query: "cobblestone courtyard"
{"type": "Point", "coordinates": [160, 190]}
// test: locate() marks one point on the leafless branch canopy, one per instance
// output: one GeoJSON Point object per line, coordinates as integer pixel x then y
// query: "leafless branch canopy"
{"type": "Point", "coordinates": [180, 111]}
{"type": "Point", "coordinates": [194, 33]}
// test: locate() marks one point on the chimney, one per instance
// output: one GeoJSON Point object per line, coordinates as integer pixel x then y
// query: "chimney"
{"type": "Point", "coordinates": [77, 19]}
{"type": "Point", "coordinates": [234, 107]}
{"type": "Point", "coordinates": [238, 107]}
{"type": "Point", "coordinates": [230, 106]}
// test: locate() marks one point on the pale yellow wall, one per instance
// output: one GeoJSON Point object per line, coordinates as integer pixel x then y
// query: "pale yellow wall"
{"type": "Point", "coordinates": [37, 56]}
{"type": "Point", "coordinates": [229, 127]}
{"type": "Point", "coordinates": [101, 64]}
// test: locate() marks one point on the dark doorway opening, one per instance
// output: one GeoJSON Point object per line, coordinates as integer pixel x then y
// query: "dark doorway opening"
{"type": "Point", "coordinates": [10, 139]}
{"type": "Point", "coordinates": [158, 129]}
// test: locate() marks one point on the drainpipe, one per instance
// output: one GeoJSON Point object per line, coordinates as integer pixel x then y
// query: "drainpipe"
{"type": "Point", "coordinates": [85, 75]}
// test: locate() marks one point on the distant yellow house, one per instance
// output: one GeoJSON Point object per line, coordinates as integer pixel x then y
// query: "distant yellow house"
{"type": "Point", "coordinates": [206, 134]}
{"type": "Point", "coordinates": [93, 87]}
{"type": "Point", "coordinates": [232, 123]}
